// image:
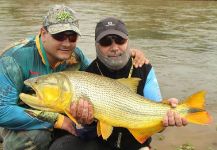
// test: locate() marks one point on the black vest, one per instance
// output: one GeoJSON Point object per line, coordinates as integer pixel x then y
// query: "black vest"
{"type": "Point", "coordinates": [121, 138]}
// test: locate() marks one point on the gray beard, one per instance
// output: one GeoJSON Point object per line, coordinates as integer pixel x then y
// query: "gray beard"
{"type": "Point", "coordinates": [114, 64]}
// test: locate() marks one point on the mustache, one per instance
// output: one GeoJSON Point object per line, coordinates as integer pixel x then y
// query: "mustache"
{"type": "Point", "coordinates": [115, 55]}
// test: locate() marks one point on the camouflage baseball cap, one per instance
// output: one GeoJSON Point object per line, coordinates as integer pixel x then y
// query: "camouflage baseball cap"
{"type": "Point", "coordinates": [61, 18]}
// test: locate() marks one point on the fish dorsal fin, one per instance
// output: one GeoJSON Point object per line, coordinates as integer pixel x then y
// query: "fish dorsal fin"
{"type": "Point", "coordinates": [131, 83]}
{"type": "Point", "coordinates": [141, 135]}
{"type": "Point", "coordinates": [104, 129]}
{"type": "Point", "coordinates": [196, 100]}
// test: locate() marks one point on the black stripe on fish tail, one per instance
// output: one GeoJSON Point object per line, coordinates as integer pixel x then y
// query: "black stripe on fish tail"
{"type": "Point", "coordinates": [195, 110]}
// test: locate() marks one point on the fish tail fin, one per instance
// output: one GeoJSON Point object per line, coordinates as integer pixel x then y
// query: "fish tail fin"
{"type": "Point", "coordinates": [197, 113]}
{"type": "Point", "coordinates": [202, 118]}
{"type": "Point", "coordinates": [196, 100]}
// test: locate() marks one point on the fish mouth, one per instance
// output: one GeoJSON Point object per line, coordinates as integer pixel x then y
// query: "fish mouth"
{"type": "Point", "coordinates": [34, 93]}
{"type": "Point", "coordinates": [28, 98]}
{"type": "Point", "coordinates": [33, 99]}
{"type": "Point", "coordinates": [52, 92]}
{"type": "Point", "coordinates": [34, 102]}
{"type": "Point", "coordinates": [27, 83]}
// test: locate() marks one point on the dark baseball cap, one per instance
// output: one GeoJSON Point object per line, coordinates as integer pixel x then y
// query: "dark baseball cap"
{"type": "Point", "coordinates": [109, 26]}
{"type": "Point", "coordinates": [61, 18]}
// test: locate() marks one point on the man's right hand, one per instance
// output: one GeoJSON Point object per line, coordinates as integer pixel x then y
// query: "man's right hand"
{"type": "Point", "coordinates": [64, 123]}
{"type": "Point", "coordinates": [68, 125]}
{"type": "Point", "coordinates": [82, 111]}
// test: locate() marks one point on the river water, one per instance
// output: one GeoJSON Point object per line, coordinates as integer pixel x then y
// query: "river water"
{"type": "Point", "coordinates": [179, 37]}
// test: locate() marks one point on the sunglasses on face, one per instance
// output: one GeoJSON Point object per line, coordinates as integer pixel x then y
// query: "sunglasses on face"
{"type": "Point", "coordinates": [72, 36]}
{"type": "Point", "coordinates": [108, 40]}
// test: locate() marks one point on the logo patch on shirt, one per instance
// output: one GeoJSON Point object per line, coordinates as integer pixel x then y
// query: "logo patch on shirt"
{"type": "Point", "coordinates": [33, 72]}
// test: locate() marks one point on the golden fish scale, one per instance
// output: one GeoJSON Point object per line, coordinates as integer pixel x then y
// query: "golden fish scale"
{"type": "Point", "coordinates": [114, 103]}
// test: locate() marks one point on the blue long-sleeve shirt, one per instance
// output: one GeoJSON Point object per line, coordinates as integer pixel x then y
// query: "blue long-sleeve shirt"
{"type": "Point", "coordinates": [151, 89]}
{"type": "Point", "coordinates": [25, 60]}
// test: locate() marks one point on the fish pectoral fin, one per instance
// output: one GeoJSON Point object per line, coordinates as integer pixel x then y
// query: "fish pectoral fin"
{"type": "Point", "coordinates": [105, 130]}
{"type": "Point", "coordinates": [202, 118]}
{"type": "Point", "coordinates": [71, 117]}
{"type": "Point", "coordinates": [131, 83]}
{"type": "Point", "coordinates": [141, 135]}
{"type": "Point", "coordinates": [98, 129]}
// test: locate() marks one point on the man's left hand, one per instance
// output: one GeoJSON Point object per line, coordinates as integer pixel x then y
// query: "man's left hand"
{"type": "Point", "coordinates": [139, 58]}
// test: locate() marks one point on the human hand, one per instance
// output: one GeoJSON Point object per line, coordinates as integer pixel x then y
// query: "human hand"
{"type": "Point", "coordinates": [139, 58]}
{"type": "Point", "coordinates": [65, 123]}
{"type": "Point", "coordinates": [82, 111]}
{"type": "Point", "coordinates": [68, 126]}
{"type": "Point", "coordinates": [172, 118]}
{"type": "Point", "coordinates": [173, 102]}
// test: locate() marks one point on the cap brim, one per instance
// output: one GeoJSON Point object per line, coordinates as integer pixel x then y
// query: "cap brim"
{"type": "Point", "coordinates": [57, 28]}
{"type": "Point", "coordinates": [111, 31]}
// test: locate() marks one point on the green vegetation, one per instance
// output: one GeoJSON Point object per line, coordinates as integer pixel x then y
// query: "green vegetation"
{"type": "Point", "coordinates": [186, 147]}
{"type": "Point", "coordinates": [160, 137]}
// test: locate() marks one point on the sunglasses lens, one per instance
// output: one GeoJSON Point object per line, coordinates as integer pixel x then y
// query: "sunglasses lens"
{"type": "Point", "coordinates": [63, 36]}
{"type": "Point", "coordinates": [105, 41]}
{"type": "Point", "coordinates": [58, 36]}
{"type": "Point", "coordinates": [72, 38]}
{"type": "Point", "coordinates": [119, 40]}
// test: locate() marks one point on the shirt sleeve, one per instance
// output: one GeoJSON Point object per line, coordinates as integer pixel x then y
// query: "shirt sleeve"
{"type": "Point", "coordinates": [12, 116]}
{"type": "Point", "coordinates": [85, 62]}
{"type": "Point", "coordinates": [151, 89]}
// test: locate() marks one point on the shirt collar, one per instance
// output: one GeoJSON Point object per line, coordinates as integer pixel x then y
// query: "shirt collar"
{"type": "Point", "coordinates": [41, 50]}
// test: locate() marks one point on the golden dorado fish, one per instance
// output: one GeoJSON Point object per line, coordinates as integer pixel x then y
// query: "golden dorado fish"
{"type": "Point", "coordinates": [115, 102]}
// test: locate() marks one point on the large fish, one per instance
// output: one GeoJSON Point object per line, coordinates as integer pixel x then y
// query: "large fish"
{"type": "Point", "coordinates": [115, 102]}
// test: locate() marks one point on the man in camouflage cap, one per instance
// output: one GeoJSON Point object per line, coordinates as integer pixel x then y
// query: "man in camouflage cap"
{"type": "Point", "coordinates": [52, 50]}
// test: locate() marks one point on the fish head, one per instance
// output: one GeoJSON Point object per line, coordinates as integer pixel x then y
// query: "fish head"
{"type": "Point", "coordinates": [51, 91]}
